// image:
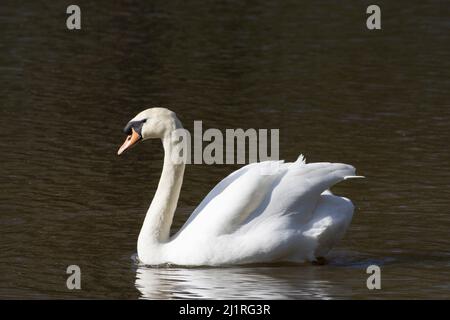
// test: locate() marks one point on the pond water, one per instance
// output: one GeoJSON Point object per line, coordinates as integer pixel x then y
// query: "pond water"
{"type": "Point", "coordinates": [378, 100]}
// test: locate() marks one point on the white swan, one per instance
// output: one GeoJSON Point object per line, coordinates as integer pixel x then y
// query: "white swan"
{"type": "Point", "coordinates": [249, 217]}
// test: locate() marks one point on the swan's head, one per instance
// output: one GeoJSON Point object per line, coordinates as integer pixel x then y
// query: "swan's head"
{"type": "Point", "coordinates": [148, 124]}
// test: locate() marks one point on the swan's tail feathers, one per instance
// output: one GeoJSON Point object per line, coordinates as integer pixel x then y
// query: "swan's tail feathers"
{"type": "Point", "coordinates": [354, 177]}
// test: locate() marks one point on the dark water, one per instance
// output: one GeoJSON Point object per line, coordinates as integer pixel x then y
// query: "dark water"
{"type": "Point", "coordinates": [337, 92]}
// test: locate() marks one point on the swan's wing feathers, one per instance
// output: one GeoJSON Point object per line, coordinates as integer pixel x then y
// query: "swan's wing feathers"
{"type": "Point", "coordinates": [233, 199]}
{"type": "Point", "coordinates": [249, 196]}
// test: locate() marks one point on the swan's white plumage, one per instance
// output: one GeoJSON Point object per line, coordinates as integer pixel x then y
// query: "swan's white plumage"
{"type": "Point", "coordinates": [264, 212]}
{"type": "Point", "coordinates": [251, 217]}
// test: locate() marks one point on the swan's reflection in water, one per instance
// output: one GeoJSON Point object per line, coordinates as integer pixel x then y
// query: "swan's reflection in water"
{"type": "Point", "coordinates": [230, 283]}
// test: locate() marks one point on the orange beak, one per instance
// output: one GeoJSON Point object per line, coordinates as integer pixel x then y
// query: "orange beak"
{"type": "Point", "coordinates": [131, 140]}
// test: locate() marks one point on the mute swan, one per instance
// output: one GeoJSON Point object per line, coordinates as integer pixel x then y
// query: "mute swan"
{"type": "Point", "coordinates": [249, 217]}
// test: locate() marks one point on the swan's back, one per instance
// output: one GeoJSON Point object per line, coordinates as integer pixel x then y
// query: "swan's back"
{"type": "Point", "coordinates": [258, 214]}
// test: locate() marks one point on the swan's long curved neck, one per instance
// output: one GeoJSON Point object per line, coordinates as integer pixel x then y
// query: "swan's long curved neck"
{"type": "Point", "coordinates": [156, 227]}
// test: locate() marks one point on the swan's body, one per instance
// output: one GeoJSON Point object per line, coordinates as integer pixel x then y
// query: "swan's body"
{"type": "Point", "coordinates": [255, 215]}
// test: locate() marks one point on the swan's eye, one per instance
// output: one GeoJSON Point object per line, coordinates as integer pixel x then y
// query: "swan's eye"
{"type": "Point", "coordinates": [127, 129]}
{"type": "Point", "coordinates": [136, 125]}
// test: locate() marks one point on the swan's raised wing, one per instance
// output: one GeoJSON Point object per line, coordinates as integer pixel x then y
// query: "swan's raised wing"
{"type": "Point", "coordinates": [250, 196]}
{"type": "Point", "coordinates": [233, 200]}
{"type": "Point", "coordinates": [294, 222]}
